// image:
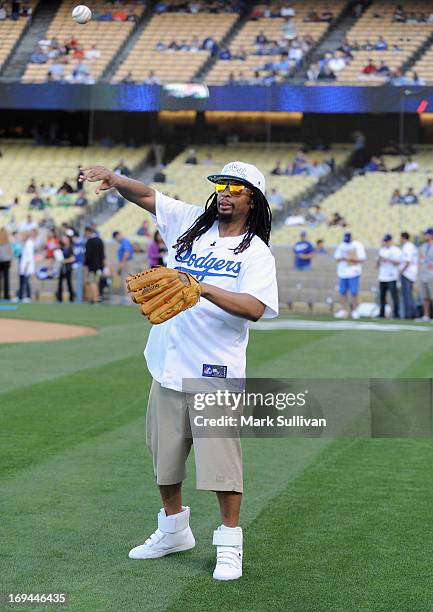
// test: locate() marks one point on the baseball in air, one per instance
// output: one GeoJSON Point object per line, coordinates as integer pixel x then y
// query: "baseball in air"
{"type": "Point", "coordinates": [82, 14]}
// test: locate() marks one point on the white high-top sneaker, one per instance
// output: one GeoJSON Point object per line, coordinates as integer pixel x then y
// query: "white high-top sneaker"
{"type": "Point", "coordinates": [173, 535]}
{"type": "Point", "coordinates": [228, 541]}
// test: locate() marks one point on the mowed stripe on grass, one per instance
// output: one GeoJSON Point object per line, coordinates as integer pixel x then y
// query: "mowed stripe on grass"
{"type": "Point", "coordinates": [79, 492]}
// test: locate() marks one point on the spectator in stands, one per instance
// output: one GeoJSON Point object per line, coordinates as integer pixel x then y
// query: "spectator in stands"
{"type": "Point", "coordinates": [289, 29]}
{"type": "Point", "coordinates": [65, 272]}
{"type": "Point", "coordinates": [416, 80]}
{"type": "Point", "coordinates": [195, 45]}
{"type": "Point", "coordinates": [132, 16]}
{"type": "Point", "coordinates": [427, 190]}
{"type": "Point", "coordinates": [210, 44]}
{"type": "Point", "coordinates": [411, 165]}
{"type": "Point", "coordinates": [304, 253]}
{"type": "Point", "coordinates": [349, 254]}
{"type": "Point", "coordinates": [370, 69]}
{"type": "Point", "coordinates": [36, 203]}
{"type": "Point", "coordinates": [81, 201]}
{"type": "Point", "coordinates": [388, 263]}
{"type": "Point", "coordinates": [276, 199]}
{"type": "Point", "coordinates": [80, 73]}
{"type": "Point", "coordinates": [326, 74]}
{"type": "Point", "coordinates": [94, 261]}
{"type": "Point", "coordinates": [38, 56]}
{"type": "Point", "coordinates": [32, 187]}
{"type": "Point", "coordinates": [320, 247]}
{"type": "Point", "coordinates": [399, 79]}
{"type": "Point", "coordinates": [143, 230]}
{"type": "Point", "coordinates": [399, 14]}
{"type": "Point", "coordinates": [3, 13]}
{"type": "Point", "coordinates": [122, 169]}
{"type": "Point", "coordinates": [93, 53]}
{"type": "Point", "coordinates": [51, 244]}
{"type": "Point", "coordinates": [65, 186]}
{"type": "Point", "coordinates": [327, 15]}
{"type": "Point", "coordinates": [78, 53]}
{"type": "Point", "coordinates": [152, 79]}
{"type": "Point", "coordinates": [5, 263]}
{"type": "Point", "coordinates": [396, 197]}
{"type": "Point", "coordinates": [400, 167]}
{"type": "Point", "coordinates": [57, 70]}
{"type": "Point", "coordinates": [157, 251]}
{"type": "Point", "coordinates": [381, 44]}
{"type": "Point", "coordinates": [337, 221]}
{"type": "Point", "coordinates": [128, 79]}
{"type": "Point", "coordinates": [383, 69]}
{"type": "Point", "coordinates": [287, 11]}
{"type": "Point", "coordinates": [412, 18]}
{"type": "Point", "coordinates": [225, 54]}
{"type": "Point", "coordinates": [410, 197]}
{"type": "Point", "coordinates": [277, 170]}
{"type": "Point", "coordinates": [316, 216]}
{"type": "Point", "coordinates": [313, 72]}
{"type": "Point", "coordinates": [28, 225]}
{"type": "Point", "coordinates": [337, 62]}
{"type": "Point", "coordinates": [261, 39]}
{"type": "Point", "coordinates": [191, 157]}
{"type": "Point", "coordinates": [408, 274]}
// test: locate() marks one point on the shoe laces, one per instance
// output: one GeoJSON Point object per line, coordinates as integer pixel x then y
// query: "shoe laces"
{"type": "Point", "coordinates": [229, 555]}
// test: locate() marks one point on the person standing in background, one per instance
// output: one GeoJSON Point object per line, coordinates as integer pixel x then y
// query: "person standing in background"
{"type": "Point", "coordinates": [5, 263]}
{"type": "Point", "coordinates": [79, 249]}
{"type": "Point", "coordinates": [425, 255]}
{"type": "Point", "coordinates": [27, 266]}
{"type": "Point", "coordinates": [66, 268]}
{"type": "Point", "coordinates": [94, 261]}
{"type": "Point", "coordinates": [408, 274]}
{"type": "Point", "coordinates": [125, 255]}
{"type": "Point", "coordinates": [304, 253]}
{"type": "Point", "coordinates": [388, 264]}
{"type": "Point", "coordinates": [156, 251]}
{"type": "Point", "coordinates": [349, 255]}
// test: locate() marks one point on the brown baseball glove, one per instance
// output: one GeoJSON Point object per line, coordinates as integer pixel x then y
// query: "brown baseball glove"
{"type": "Point", "coordinates": [163, 292]}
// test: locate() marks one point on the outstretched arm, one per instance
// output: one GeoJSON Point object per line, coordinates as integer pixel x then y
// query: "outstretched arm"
{"type": "Point", "coordinates": [130, 189]}
{"type": "Point", "coordinates": [238, 304]}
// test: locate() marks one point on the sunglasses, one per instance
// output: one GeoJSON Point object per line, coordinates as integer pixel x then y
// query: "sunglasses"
{"type": "Point", "coordinates": [234, 189]}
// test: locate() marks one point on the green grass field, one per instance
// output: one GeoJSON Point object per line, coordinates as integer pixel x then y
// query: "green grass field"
{"type": "Point", "coordinates": [329, 525]}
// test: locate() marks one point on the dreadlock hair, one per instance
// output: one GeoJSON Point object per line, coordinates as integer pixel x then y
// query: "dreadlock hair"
{"type": "Point", "coordinates": [259, 223]}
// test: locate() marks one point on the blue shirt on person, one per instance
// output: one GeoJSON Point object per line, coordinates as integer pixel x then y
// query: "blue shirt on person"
{"type": "Point", "coordinates": [302, 247]}
{"type": "Point", "coordinates": [125, 246]}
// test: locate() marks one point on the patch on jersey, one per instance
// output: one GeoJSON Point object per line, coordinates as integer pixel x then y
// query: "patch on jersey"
{"type": "Point", "coordinates": [214, 371]}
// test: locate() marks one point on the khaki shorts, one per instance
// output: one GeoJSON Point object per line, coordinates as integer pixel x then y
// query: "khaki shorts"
{"type": "Point", "coordinates": [169, 439]}
{"type": "Point", "coordinates": [426, 290]}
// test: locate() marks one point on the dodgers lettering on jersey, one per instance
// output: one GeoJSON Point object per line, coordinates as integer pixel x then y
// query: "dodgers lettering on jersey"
{"type": "Point", "coordinates": [205, 342]}
{"type": "Point", "coordinates": [208, 265]}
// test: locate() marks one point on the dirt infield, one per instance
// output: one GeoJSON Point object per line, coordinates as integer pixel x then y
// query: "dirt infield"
{"type": "Point", "coordinates": [17, 330]}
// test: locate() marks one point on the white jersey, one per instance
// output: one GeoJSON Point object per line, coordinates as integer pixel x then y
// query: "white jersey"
{"type": "Point", "coordinates": [389, 271]}
{"type": "Point", "coordinates": [205, 341]}
{"type": "Point", "coordinates": [349, 250]}
{"type": "Point", "coordinates": [409, 255]}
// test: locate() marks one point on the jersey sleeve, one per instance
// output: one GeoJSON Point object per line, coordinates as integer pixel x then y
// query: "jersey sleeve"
{"type": "Point", "coordinates": [338, 252]}
{"type": "Point", "coordinates": [360, 251]}
{"type": "Point", "coordinates": [258, 278]}
{"type": "Point", "coordinates": [173, 217]}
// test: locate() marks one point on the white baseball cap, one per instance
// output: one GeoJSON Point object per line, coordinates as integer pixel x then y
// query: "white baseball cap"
{"type": "Point", "coordinates": [241, 171]}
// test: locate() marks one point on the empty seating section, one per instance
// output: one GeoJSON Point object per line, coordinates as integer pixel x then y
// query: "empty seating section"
{"type": "Point", "coordinates": [48, 164]}
{"type": "Point", "coordinates": [424, 66]}
{"type": "Point", "coordinates": [406, 36]}
{"type": "Point", "coordinates": [272, 27]}
{"type": "Point", "coordinates": [107, 35]}
{"type": "Point", "coordinates": [169, 65]}
{"type": "Point", "coordinates": [10, 32]}
{"type": "Point", "coordinates": [364, 204]}
{"type": "Point", "coordinates": [189, 183]}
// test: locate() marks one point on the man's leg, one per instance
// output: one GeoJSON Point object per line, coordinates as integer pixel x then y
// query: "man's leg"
{"type": "Point", "coordinates": [230, 507]}
{"type": "Point", "coordinates": [382, 289]}
{"type": "Point", "coordinates": [171, 496]}
{"type": "Point", "coordinates": [394, 294]}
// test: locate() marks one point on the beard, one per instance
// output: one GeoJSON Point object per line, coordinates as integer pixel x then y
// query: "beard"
{"type": "Point", "coordinates": [225, 217]}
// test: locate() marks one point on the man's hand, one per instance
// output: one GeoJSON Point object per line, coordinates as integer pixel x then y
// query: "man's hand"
{"type": "Point", "coordinates": [93, 174]}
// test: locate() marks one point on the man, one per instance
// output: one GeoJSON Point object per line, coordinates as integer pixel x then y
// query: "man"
{"type": "Point", "coordinates": [408, 274]}
{"type": "Point", "coordinates": [388, 263]}
{"type": "Point", "coordinates": [410, 197]}
{"type": "Point", "coordinates": [349, 255]}
{"type": "Point", "coordinates": [26, 266]}
{"type": "Point", "coordinates": [227, 244]}
{"type": "Point", "coordinates": [427, 190]}
{"type": "Point", "coordinates": [425, 255]}
{"type": "Point", "coordinates": [94, 261]}
{"type": "Point", "coordinates": [125, 255]}
{"type": "Point", "coordinates": [276, 199]}
{"type": "Point", "coordinates": [304, 253]}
